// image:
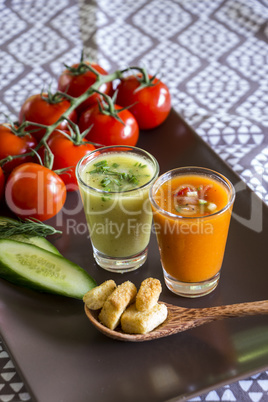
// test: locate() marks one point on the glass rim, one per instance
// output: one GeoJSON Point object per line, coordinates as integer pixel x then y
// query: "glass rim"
{"type": "Point", "coordinates": [208, 171]}
{"type": "Point", "coordinates": [107, 148]}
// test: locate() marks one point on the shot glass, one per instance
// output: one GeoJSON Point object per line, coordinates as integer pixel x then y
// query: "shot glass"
{"type": "Point", "coordinates": [114, 185]}
{"type": "Point", "coordinates": [192, 208]}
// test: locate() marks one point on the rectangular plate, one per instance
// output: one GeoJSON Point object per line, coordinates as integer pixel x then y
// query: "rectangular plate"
{"type": "Point", "coordinates": [61, 357]}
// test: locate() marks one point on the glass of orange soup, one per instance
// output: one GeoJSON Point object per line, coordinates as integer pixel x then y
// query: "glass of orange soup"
{"type": "Point", "coordinates": [192, 208]}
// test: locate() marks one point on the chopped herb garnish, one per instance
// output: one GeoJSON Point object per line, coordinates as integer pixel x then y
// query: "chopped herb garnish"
{"type": "Point", "coordinates": [105, 198]}
{"type": "Point", "coordinates": [140, 165]}
{"type": "Point", "coordinates": [101, 163]}
{"type": "Point", "coordinates": [117, 182]}
{"type": "Point", "coordinates": [114, 180]}
{"type": "Point", "coordinates": [132, 179]}
{"type": "Point", "coordinates": [105, 181]}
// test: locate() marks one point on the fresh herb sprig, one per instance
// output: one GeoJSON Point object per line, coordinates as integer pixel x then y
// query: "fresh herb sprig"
{"type": "Point", "coordinates": [28, 227]}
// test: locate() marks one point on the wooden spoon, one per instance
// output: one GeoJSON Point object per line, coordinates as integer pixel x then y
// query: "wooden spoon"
{"type": "Point", "coordinates": [180, 319]}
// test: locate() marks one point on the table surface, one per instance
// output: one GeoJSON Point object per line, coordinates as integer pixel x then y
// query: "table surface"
{"type": "Point", "coordinates": [212, 55]}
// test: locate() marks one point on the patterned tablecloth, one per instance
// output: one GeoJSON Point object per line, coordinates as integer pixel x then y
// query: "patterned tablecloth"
{"type": "Point", "coordinates": [211, 54]}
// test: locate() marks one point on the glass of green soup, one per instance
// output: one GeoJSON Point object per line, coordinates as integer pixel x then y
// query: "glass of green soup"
{"type": "Point", "coordinates": [114, 184]}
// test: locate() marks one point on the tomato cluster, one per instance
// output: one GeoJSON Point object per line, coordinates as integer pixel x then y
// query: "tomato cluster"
{"type": "Point", "coordinates": [38, 156]}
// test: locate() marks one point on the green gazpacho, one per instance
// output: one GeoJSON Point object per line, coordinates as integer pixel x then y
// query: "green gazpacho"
{"type": "Point", "coordinates": [115, 196]}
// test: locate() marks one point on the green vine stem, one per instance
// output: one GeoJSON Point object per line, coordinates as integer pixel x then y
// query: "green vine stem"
{"type": "Point", "coordinates": [144, 79]}
{"type": "Point", "coordinates": [107, 106]}
{"type": "Point", "coordinates": [74, 103]}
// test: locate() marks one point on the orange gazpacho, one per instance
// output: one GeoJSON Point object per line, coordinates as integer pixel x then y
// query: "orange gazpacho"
{"type": "Point", "coordinates": [191, 217]}
{"type": "Point", "coordinates": [192, 195]}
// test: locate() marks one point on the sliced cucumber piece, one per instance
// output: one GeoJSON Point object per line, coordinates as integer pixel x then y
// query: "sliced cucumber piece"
{"type": "Point", "coordinates": [36, 240]}
{"type": "Point", "coordinates": [31, 266]}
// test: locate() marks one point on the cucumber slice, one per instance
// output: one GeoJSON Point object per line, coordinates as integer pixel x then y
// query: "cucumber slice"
{"type": "Point", "coordinates": [36, 240]}
{"type": "Point", "coordinates": [31, 266]}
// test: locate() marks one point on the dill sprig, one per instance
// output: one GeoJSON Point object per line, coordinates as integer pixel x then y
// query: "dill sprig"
{"type": "Point", "coordinates": [28, 227]}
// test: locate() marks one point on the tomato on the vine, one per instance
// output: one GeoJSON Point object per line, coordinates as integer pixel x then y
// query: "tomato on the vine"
{"type": "Point", "coordinates": [149, 99]}
{"type": "Point", "coordinates": [13, 143]}
{"type": "Point", "coordinates": [32, 190]}
{"type": "Point", "coordinates": [67, 154]}
{"type": "Point", "coordinates": [45, 109]}
{"type": "Point", "coordinates": [108, 129]}
{"type": "Point", "coordinates": [2, 183]}
{"type": "Point", "coordinates": [75, 80]}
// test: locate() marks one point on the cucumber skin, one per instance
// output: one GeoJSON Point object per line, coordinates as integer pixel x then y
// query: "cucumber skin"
{"type": "Point", "coordinates": [36, 240]}
{"type": "Point", "coordinates": [6, 271]}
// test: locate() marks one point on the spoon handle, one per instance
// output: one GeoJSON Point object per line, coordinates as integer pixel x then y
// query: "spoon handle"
{"type": "Point", "coordinates": [233, 310]}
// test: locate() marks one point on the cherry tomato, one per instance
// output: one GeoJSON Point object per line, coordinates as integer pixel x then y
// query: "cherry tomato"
{"type": "Point", "coordinates": [35, 191]}
{"type": "Point", "coordinates": [12, 144]}
{"type": "Point", "coordinates": [2, 183]}
{"type": "Point", "coordinates": [107, 130]}
{"type": "Point", "coordinates": [77, 79]}
{"type": "Point", "coordinates": [150, 105]}
{"type": "Point", "coordinates": [67, 154]}
{"type": "Point", "coordinates": [45, 109]}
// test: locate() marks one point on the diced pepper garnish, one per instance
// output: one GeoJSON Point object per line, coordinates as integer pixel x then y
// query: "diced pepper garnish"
{"type": "Point", "coordinates": [211, 206]}
{"type": "Point", "coordinates": [190, 200]}
{"type": "Point", "coordinates": [183, 191]}
{"type": "Point", "coordinates": [192, 194]}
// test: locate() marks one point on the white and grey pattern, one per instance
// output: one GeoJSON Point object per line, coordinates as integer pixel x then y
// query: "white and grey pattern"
{"type": "Point", "coordinates": [213, 55]}
{"type": "Point", "coordinates": [244, 17]}
{"type": "Point", "coordinates": [122, 43]}
{"type": "Point", "coordinates": [166, 19]}
{"type": "Point", "coordinates": [10, 69]}
{"type": "Point", "coordinates": [217, 87]}
{"type": "Point", "coordinates": [256, 105]}
{"type": "Point", "coordinates": [12, 388]}
{"type": "Point", "coordinates": [251, 59]}
{"type": "Point", "coordinates": [200, 8]}
{"type": "Point", "coordinates": [208, 39]}
{"type": "Point", "coordinates": [253, 389]}
{"type": "Point", "coordinates": [38, 45]}
{"type": "Point", "coordinates": [10, 25]}
{"type": "Point", "coordinates": [173, 61]}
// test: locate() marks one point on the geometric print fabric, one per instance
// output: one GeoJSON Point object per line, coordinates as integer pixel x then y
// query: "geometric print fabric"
{"type": "Point", "coordinates": [212, 55]}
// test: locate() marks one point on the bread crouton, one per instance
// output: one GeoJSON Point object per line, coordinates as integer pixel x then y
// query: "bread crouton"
{"type": "Point", "coordinates": [148, 294]}
{"type": "Point", "coordinates": [95, 298]}
{"type": "Point", "coordinates": [116, 304]}
{"type": "Point", "coordinates": [141, 322]}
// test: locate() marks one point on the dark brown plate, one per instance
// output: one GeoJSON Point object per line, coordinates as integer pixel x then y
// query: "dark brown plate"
{"type": "Point", "coordinates": [62, 357]}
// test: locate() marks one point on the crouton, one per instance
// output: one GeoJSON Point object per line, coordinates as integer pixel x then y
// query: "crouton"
{"type": "Point", "coordinates": [116, 303]}
{"type": "Point", "coordinates": [141, 322]}
{"type": "Point", "coordinates": [95, 298]}
{"type": "Point", "coordinates": [148, 294]}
